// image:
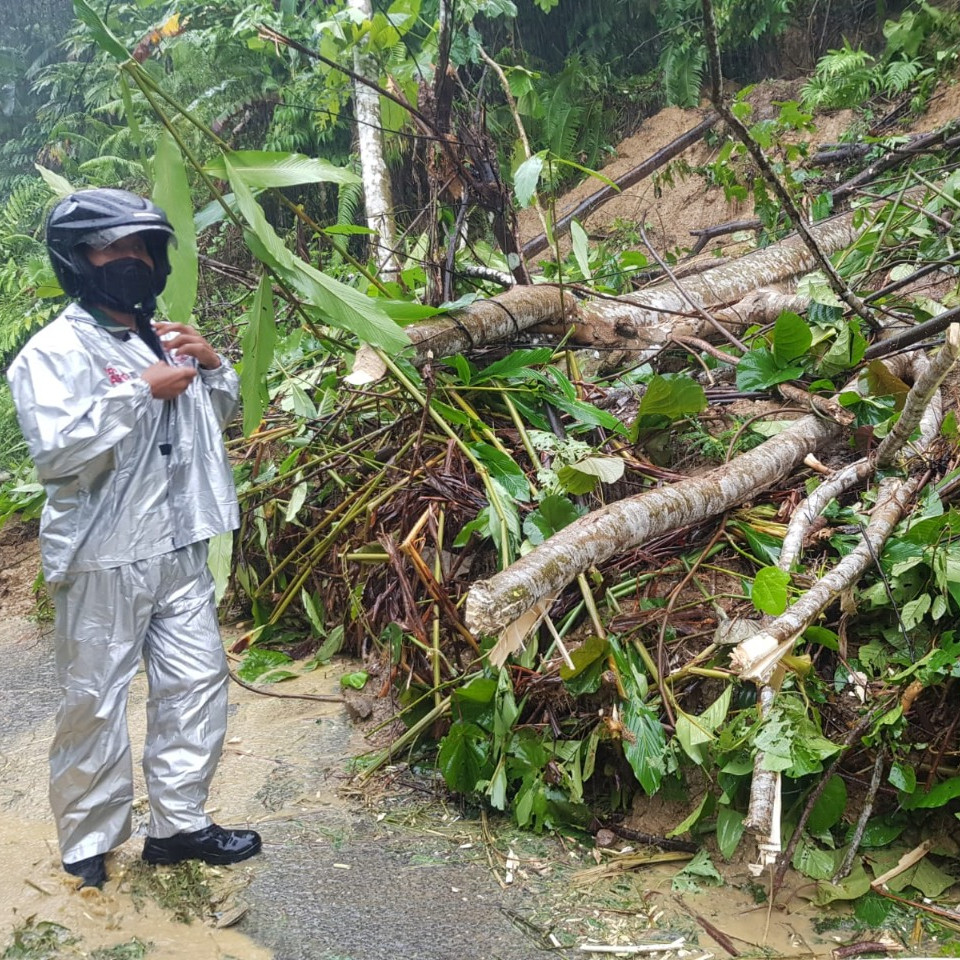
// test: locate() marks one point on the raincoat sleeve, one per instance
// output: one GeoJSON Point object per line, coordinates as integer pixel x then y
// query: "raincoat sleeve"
{"type": "Point", "coordinates": [223, 388]}
{"type": "Point", "coordinates": [69, 417]}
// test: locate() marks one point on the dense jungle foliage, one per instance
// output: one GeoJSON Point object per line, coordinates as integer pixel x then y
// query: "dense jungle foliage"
{"type": "Point", "coordinates": [370, 509]}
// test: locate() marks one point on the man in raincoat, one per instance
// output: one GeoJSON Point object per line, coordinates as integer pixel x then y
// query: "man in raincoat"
{"type": "Point", "coordinates": [125, 432]}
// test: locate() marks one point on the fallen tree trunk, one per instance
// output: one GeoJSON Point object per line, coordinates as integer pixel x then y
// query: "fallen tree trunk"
{"type": "Point", "coordinates": [485, 321]}
{"type": "Point", "coordinates": [596, 200]}
{"type": "Point", "coordinates": [493, 604]}
{"type": "Point", "coordinates": [640, 320]}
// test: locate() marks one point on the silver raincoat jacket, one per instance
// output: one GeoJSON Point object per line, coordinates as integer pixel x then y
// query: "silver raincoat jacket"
{"type": "Point", "coordinates": [127, 476]}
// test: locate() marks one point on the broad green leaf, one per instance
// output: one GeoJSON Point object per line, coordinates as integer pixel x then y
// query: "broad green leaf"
{"type": "Point", "coordinates": [769, 593]}
{"type": "Point", "coordinates": [902, 777]}
{"type": "Point", "coordinates": [312, 611]}
{"type": "Point", "coordinates": [673, 397]}
{"type": "Point", "coordinates": [464, 756]}
{"type": "Point", "coordinates": [171, 192]}
{"type": "Point", "coordinates": [219, 559]}
{"type": "Point", "coordinates": [692, 817]}
{"type": "Point", "coordinates": [474, 702]}
{"type": "Point", "coordinates": [581, 248]}
{"type": "Point", "coordinates": [729, 831]}
{"type": "Point", "coordinates": [645, 747]}
{"type": "Point", "coordinates": [60, 186]}
{"type": "Point", "coordinates": [259, 340]}
{"type": "Point", "coordinates": [587, 413]}
{"type": "Point", "coordinates": [514, 363]}
{"type": "Point", "coordinates": [297, 499]}
{"type": "Point", "coordinates": [575, 482]}
{"type": "Point", "coordinates": [759, 370]}
{"type": "Point", "coordinates": [940, 795]}
{"type": "Point", "coordinates": [829, 807]}
{"type": "Point", "coordinates": [823, 636]}
{"type": "Point", "coordinates": [607, 469]}
{"type": "Point", "coordinates": [260, 169]}
{"type": "Point", "coordinates": [813, 862]}
{"type": "Point", "coordinates": [854, 885]}
{"type": "Point", "coordinates": [845, 352]}
{"type": "Point", "coordinates": [694, 732]}
{"type": "Point", "coordinates": [356, 680]}
{"type": "Point", "coordinates": [553, 514]}
{"type": "Point", "coordinates": [104, 37]}
{"type": "Point", "coordinates": [698, 872]}
{"type": "Point", "coordinates": [504, 469]}
{"type": "Point", "coordinates": [791, 338]}
{"type": "Point", "coordinates": [342, 306]}
{"type": "Point", "coordinates": [527, 177]}
{"type": "Point", "coordinates": [262, 665]}
{"type": "Point", "coordinates": [816, 286]}
{"type": "Point", "coordinates": [588, 663]}
{"type": "Point", "coordinates": [881, 831]}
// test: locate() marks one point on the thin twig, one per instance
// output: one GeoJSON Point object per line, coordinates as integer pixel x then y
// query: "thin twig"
{"type": "Point", "coordinates": [864, 817]}
{"type": "Point", "coordinates": [322, 697]}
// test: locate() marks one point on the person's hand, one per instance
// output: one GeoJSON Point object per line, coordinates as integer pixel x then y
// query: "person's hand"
{"type": "Point", "coordinates": [167, 382]}
{"type": "Point", "coordinates": [190, 343]}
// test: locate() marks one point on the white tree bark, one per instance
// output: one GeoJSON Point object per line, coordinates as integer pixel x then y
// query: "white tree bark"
{"type": "Point", "coordinates": [377, 194]}
{"type": "Point", "coordinates": [494, 603]}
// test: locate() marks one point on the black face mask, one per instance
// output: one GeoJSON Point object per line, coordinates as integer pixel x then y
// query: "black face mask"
{"type": "Point", "coordinates": [121, 284]}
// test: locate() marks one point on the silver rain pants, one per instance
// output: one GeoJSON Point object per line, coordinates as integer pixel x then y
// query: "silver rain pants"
{"type": "Point", "coordinates": [162, 609]}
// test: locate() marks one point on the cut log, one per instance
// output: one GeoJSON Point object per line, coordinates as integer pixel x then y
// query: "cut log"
{"type": "Point", "coordinates": [493, 604]}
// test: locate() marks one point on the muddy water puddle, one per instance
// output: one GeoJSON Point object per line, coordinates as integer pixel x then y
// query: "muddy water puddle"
{"type": "Point", "coordinates": [401, 875]}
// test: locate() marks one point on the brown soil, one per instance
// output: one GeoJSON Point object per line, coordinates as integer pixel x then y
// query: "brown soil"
{"type": "Point", "coordinates": [672, 210]}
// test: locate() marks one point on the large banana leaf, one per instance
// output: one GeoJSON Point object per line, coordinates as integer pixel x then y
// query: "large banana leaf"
{"type": "Point", "coordinates": [259, 341]}
{"type": "Point", "coordinates": [341, 305]}
{"type": "Point", "coordinates": [260, 169]}
{"type": "Point", "coordinates": [171, 191]}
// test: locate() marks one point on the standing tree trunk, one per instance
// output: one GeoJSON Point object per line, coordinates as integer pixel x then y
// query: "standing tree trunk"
{"type": "Point", "coordinates": [373, 168]}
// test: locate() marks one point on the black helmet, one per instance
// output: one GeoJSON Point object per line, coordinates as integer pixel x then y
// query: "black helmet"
{"type": "Point", "coordinates": [98, 217]}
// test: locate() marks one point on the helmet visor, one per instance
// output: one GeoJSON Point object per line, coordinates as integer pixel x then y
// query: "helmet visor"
{"type": "Point", "coordinates": [99, 239]}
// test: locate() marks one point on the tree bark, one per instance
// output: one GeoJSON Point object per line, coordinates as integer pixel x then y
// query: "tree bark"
{"type": "Point", "coordinates": [377, 194]}
{"type": "Point", "coordinates": [493, 604]}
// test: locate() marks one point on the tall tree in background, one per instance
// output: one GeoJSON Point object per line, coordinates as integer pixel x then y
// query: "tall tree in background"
{"type": "Point", "coordinates": [377, 194]}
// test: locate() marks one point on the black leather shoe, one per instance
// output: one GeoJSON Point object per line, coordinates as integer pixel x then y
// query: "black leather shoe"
{"type": "Point", "coordinates": [92, 871]}
{"type": "Point", "coordinates": [212, 845]}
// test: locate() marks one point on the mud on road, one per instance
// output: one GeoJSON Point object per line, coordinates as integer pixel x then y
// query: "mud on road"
{"type": "Point", "coordinates": [398, 872]}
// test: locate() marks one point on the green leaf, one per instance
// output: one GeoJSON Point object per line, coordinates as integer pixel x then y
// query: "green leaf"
{"type": "Point", "coordinates": [903, 777]}
{"type": "Point", "coordinates": [693, 732]}
{"type": "Point", "coordinates": [814, 862]}
{"type": "Point", "coordinates": [829, 807]}
{"type": "Point", "coordinates": [699, 871]}
{"type": "Point", "coordinates": [575, 482]}
{"type": "Point", "coordinates": [854, 885]}
{"type": "Point", "coordinates": [261, 665]}
{"type": "Point", "coordinates": [474, 702]}
{"type": "Point", "coordinates": [645, 744]}
{"type": "Point", "coordinates": [553, 514]}
{"type": "Point", "coordinates": [504, 469]}
{"type": "Point", "coordinates": [259, 341]}
{"type": "Point", "coordinates": [514, 363]}
{"type": "Point", "coordinates": [581, 248]}
{"type": "Point", "coordinates": [845, 352]}
{"type": "Point", "coordinates": [939, 796]}
{"type": "Point", "coordinates": [341, 305]}
{"type": "Point", "coordinates": [527, 177]}
{"type": "Point", "coordinates": [464, 757]}
{"type": "Point", "coordinates": [60, 186]}
{"type": "Point", "coordinates": [769, 593]}
{"type": "Point", "coordinates": [171, 192]}
{"type": "Point", "coordinates": [759, 370]}
{"type": "Point", "coordinates": [791, 338]}
{"type": "Point", "coordinates": [260, 169]}
{"type": "Point", "coordinates": [219, 559]}
{"type": "Point", "coordinates": [101, 33]}
{"type": "Point", "coordinates": [588, 662]}
{"type": "Point", "coordinates": [673, 397]}
{"type": "Point", "coordinates": [816, 286]}
{"type": "Point", "coordinates": [729, 831]}
{"type": "Point", "coordinates": [823, 636]}
{"type": "Point", "coordinates": [356, 680]}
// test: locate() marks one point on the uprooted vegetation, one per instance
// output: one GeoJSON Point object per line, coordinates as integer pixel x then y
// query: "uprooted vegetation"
{"type": "Point", "coordinates": [655, 521]}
